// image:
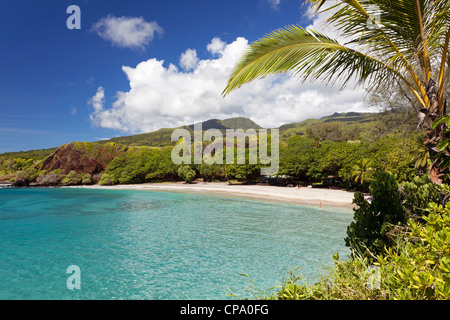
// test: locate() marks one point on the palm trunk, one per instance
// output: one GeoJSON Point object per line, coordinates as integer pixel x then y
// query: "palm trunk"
{"type": "Point", "coordinates": [434, 136]}
{"type": "Point", "coordinates": [432, 139]}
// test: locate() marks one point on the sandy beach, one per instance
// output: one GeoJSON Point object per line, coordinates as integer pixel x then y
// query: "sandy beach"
{"type": "Point", "coordinates": [303, 195]}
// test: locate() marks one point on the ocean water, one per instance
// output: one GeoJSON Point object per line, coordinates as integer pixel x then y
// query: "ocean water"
{"type": "Point", "coordinates": [158, 245]}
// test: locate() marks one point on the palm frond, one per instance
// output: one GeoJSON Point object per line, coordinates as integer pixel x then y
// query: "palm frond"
{"type": "Point", "coordinates": [394, 36]}
{"type": "Point", "coordinates": [409, 43]}
{"type": "Point", "coordinates": [309, 54]}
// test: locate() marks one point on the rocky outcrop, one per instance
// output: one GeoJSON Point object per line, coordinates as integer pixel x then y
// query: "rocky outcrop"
{"type": "Point", "coordinates": [82, 157]}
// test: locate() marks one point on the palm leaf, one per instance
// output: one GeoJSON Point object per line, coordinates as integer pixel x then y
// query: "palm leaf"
{"type": "Point", "coordinates": [309, 54]}
{"type": "Point", "coordinates": [396, 40]}
{"type": "Point", "coordinates": [412, 39]}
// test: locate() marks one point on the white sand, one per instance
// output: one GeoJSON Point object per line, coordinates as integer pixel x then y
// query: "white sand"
{"type": "Point", "coordinates": [302, 195]}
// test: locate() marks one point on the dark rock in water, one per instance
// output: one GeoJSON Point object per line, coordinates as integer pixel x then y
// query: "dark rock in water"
{"type": "Point", "coordinates": [20, 183]}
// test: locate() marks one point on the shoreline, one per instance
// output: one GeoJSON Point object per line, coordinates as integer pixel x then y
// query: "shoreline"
{"type": "Point", "coordinates": [316, 197]}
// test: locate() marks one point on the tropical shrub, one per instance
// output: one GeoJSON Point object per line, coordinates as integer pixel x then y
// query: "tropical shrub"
{"type": "Point", "coordinates": [418, 267]}
{"type": "Point", "coordinates": [86, 178]}
{"type": "Point", "coordinates": [141, 164]}
{"type": "Point", "coordinates": [367, 234]}
{"type": "Point", "coordinates": [418, 193]}
{"type": "Point", "coordinates": [186, 173]}
{"type": "Point", "coordinates": [51, 178]}
{"type": "Point", "coordinates": [72, 178]}
{"type": "Point", "coordinates": [11, 165]}
{"type": "Point", "coordinates": [107, 180]}
{"type": "Point", "coordinates": [209, 172]}
{"type": "Point", "coordinates": [25, 177]}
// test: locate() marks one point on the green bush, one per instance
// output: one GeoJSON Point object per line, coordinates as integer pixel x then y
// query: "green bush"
{"type": "Point", "coordinates": [25, 177]}
{"type": "Point", "coordinates": [72, 178]}
{"type": "Point", "coordinates": [141, 164]}
{"type": "Point", "coordinates": [186, 173]}
{"type": "Point", "coordinates": [86, 178]}
{"type": "Point", "coordinates": [51, 178]}
{"type": "Point", "coordinates": [107, 180]}
{"type": "Point", "coordinates": [418, 267]}
{"type": "Point", "coordinates": [209, 172]}
{"type": "Point", "coordinates": [367, 234]}
{"type": "Point", "coordinates": [418, 193]}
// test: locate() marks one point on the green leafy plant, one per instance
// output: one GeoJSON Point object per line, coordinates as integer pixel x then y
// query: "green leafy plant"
{"type": "Point", "coordinates": [72, 178]}
{"type": "Point", "coordinates": [367, 234]}
{"type": "Point", "coordinates": [418, 193]}
{"type": "Point", "coordinates": [186, 173]}
{"type": "Point", "coordinates": [362, 171]}
{"type": "Point", "coordinates": [86, 178]}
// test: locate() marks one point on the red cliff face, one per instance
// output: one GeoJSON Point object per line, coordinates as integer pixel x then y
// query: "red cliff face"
{"type": "Point", "coordinates": [81, 157]}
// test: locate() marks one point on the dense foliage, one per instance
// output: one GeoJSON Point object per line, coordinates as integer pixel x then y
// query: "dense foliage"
{"type": "Point", "coordinates": [349, 163]}
{"type": "Point", "coordinates": [140, 164]}
{"type": "Point", "coordinates": [303, 160]}
{"type": "Point", "coordinates": [368, 233]}
{"type": "Point", "coordinates": [12, 165]}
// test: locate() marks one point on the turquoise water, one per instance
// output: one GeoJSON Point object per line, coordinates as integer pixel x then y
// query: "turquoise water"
{"type": "Point", "coordinates": [157, 245]}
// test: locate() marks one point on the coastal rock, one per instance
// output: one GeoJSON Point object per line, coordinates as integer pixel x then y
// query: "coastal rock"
{"type": "Point", "coordinates": [82, 157]}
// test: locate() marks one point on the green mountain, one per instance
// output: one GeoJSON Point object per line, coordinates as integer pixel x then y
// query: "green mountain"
{"type": "Point", "coordinates": [240, 123]}
{"type": "Point", "coordinates": [350, 117]}
{"type": "Point", "coordinates": [39, 154]}
{"type": "Point", "coordinates": [350, 122]}
{"type": "Point", "coordinates": [162, 137]}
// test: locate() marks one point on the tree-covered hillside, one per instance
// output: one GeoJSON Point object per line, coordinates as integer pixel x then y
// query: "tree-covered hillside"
{"type": "Point", "coordinates": [341, 150]}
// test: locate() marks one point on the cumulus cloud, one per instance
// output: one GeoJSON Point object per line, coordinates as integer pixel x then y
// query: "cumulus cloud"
{"type": "Point", "coordinates": [165, 96]}
{"type": "Point", "coordinates": [127, 32]}
{"type": "Point", "coordinates": [216, 47]}
{"type": "Point", "coordinates": [189, 59]}
{"type": "Point", "coordinates": [98, 100]}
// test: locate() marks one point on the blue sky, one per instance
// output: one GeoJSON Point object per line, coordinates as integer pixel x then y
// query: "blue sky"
{"type": "Point", "coordinates": [136, 66]}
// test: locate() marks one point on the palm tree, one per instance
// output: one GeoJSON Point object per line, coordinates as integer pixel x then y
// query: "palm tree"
{"type": "Point", "coordinates": [403, 43]}
{"type": "Point", "coordinates": [361, 171]}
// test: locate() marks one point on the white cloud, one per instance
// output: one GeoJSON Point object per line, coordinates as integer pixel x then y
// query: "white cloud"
{"type": "Point", "coordinates": [97, 102]}
{"type": "Point", "coordinates": [216, 47]}
{"type": "Point", "coordinates": [161, 96]}
{"type": "Point", "coordinates": [189, 59]}
{"type": "Point", "coordinates": [127, 32]}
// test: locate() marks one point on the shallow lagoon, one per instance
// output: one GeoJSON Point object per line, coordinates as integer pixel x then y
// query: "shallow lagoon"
{"type": "Point", "coordinates": [157, 245]}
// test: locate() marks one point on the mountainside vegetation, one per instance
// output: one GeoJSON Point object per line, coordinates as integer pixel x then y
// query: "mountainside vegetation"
{"type": "Point", "coordinates": [344, 150]}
